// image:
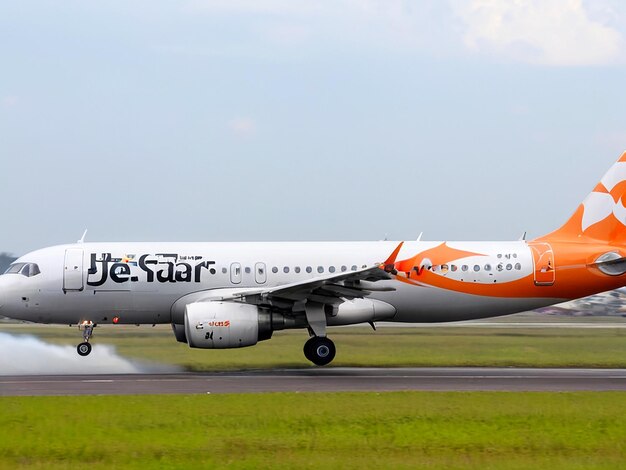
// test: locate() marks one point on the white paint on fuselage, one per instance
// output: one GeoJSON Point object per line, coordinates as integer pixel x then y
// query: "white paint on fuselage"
{"type": "Point", "coordinates": [134, 299]}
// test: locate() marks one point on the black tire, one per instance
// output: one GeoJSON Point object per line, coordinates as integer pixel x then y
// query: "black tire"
{"type": "Point", "coordinates": [319, 350]}
{"type": "Point", "coordinates": [83, 349]}
{"type": "Point", "coordinates": [308, 349]}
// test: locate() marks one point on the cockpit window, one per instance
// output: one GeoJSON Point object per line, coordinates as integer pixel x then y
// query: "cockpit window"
{"type": "Point", "coordinates": [25, 269]}
{"type": "Point", "coordinates": [30, 270]}
{"type": "Point", "coordinates": [14, 268]}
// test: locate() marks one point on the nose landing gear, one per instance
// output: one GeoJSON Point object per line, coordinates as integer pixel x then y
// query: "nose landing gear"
{"type": "Point", "coordinates": [84, 348]}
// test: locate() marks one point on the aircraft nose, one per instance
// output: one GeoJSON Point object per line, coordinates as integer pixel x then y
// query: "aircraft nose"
{"type": "Point", "coordinates": [3, 292]}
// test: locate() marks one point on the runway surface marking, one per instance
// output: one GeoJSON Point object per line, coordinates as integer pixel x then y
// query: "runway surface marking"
{"type": "Point", "coordinates": [321, 380]}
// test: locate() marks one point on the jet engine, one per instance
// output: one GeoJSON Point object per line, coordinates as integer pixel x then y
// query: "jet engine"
{"type": "Point", "coordinates": [222, 325]}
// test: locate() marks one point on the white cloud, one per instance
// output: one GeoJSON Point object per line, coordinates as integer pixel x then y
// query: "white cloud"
{"type": "Point", "coordinates": [519, 109]}
{"type": "Point", "coordinates": [242, 126]}
{"type": "Point", "coordinates": [10, 101]}
{"type": "Point", "coordinates": [545, 32]}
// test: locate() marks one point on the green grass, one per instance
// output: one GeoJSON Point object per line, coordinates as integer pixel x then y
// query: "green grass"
{"type": "Point", "coordinates": [359, 346]}
{"type": "Point", "coordinates": [312, 430]}
{"type": "Point", "coordinates": [478, 430]}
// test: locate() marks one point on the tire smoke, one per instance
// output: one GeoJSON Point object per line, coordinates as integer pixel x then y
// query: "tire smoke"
{"type": "Point", "coordinates": [29, 355]}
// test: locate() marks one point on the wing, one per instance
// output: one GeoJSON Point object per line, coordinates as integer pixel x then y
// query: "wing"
{"type": "Point", "coordinates": [313, 298]}
{"type": "Point", "coordinates": [332, 289]}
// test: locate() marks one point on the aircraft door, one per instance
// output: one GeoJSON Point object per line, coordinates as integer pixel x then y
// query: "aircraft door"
{"type": "Point", "coordinates": [260, 275]}
{"type": "Point", "coordinates": [543, 258]}
{"type": "Point", "coordinates": [235, 273]}
{"type": "Point", "coordinates": [73, 269]}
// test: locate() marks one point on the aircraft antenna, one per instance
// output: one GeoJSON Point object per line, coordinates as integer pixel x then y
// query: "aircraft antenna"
{"type": "Point", "coordinates": [82, 239]}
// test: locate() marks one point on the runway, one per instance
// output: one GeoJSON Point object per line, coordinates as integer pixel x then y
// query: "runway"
{"type": "Point", "coordinates": [320, 380]}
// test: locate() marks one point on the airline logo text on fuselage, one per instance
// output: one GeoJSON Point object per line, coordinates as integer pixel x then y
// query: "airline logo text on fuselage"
{"type": "Point", "coordinates": [160, 267]}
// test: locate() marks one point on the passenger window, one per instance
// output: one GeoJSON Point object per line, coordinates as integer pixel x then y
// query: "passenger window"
{"type": "Point", "coordinates": [344, 269]}
{"type": "Point", "coordinates": [500, 267]}
{"type": "Point", "coordinates": [274, 269]}
{"type": "Point", "coordinates": [518, 266]}
{"type": "Point", "coordinates": [309, 269]}
{"type": "Point", "coordinates": [444, 269]}
{"type": "Point", "coordinates": [286, 269]}
{"type": "Point", "coordinates": [297, 269]}
{"type": "Point", "coordinates": [354, 267]}
{"type": "Point", "coordinates": [487, 267]}
{"type": "Point", "coordinates": [509, 267]}
{"type": "Point", "coordinates": [465, 267]}
{"type": "Point", "coordinates": [224, 270]}
{"type": "Point", "coordinates": [247, 270]}
{"type": "Point", "coordinates": [476, 268]}
{"type": "Point", "coordinates": [320, 269]}
{"type": "Point", "coordinates": [453, 267]}
{"type": "Point", "coordinates": [332, 269]}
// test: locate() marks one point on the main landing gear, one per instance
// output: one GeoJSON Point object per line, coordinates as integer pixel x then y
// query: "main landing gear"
{"type": "Point", "coordinates": [319, 350]}
{"type": "Point", "coordinates": [84, 348]}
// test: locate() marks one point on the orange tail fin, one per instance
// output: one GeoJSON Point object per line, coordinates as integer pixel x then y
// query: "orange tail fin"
{"type": "Point", "coordinates": [602, 215]}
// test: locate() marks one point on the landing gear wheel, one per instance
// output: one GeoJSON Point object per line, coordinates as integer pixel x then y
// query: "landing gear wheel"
{"type": "Point", "coordinates": [83, 349]}
{"type": "Point", "coordinates": [308, 350]}
{"type": "Point", "coordinates": [319, 350]}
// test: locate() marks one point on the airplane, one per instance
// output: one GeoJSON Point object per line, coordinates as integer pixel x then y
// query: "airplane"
{"type": "Point", "coordinates": [232, 295]}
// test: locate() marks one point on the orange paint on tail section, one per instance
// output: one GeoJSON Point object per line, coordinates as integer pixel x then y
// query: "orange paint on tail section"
{"type": "Point", "coordinates": [565, 262]}
{"type": "Point", "coordinates": [602, 215]}
{"type": "Point", "coordinates": [566, 276]}
{"type": "Point", "coordinates": [441, 254]}
{"type": "Point", "coordinates": [392, 258]}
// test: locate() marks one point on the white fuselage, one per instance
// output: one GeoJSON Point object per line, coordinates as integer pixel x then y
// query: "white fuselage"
{"type": "Point", "coordinates": [136, 283]}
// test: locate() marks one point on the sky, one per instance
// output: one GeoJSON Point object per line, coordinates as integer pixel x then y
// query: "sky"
{"type": "Point", "coordinates": [233, 120]}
